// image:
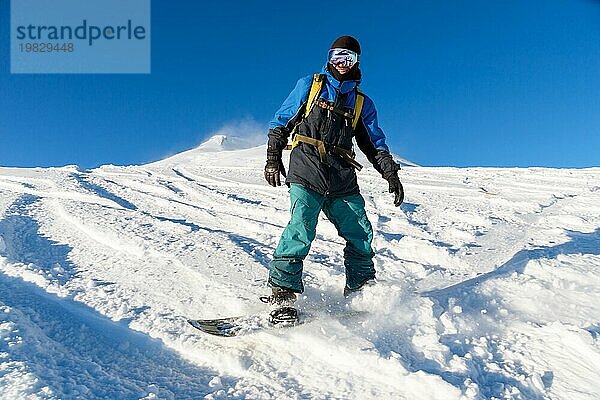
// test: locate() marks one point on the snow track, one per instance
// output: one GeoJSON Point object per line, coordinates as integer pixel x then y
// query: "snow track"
{"type": "Point", "coordinates": [488, 285]}
{"type": "Point", "coordinates": [59, 348]}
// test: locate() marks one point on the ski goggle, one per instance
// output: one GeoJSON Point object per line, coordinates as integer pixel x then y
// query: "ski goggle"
{"type": "Point", "coordinates": [342, 57]}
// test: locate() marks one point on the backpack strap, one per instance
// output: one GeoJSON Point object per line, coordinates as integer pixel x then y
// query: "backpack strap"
{"type": "Point", "coordinates": [315, 89]}
{"type": "Point", "coordinates": [358, 105]}
{"type": "Point", "coordinates": [313, 94]}
{"type": "Point", "coordinates": [324, 148]}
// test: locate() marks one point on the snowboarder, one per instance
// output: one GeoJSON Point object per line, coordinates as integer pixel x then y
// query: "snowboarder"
{"type": "Point", "coordinates": [325, 112]}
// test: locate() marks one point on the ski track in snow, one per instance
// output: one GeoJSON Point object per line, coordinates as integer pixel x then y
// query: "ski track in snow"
{"type": "Point", "coordinates": [488, 285]}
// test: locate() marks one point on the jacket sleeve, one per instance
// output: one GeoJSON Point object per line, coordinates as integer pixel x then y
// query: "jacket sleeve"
{"type": "Point", "coordinates": [370, 139]}
{"type": "Point", "coordinates": [288, 114]}
{"type": "Point", "coordinates": [369, 119]}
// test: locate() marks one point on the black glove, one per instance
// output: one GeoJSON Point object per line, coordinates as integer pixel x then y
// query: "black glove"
{"type": "Point", "coordinates": [395, 187]}
{"type": "Point", "coordinates": [274, 167]}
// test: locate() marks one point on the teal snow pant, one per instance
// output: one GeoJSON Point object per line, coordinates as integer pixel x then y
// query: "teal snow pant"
{"type": "Point", "coordinates": [348, 215]}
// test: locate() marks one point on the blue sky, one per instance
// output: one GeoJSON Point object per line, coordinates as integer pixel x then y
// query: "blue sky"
{"type": "Point", "coordinates": [461, 83]}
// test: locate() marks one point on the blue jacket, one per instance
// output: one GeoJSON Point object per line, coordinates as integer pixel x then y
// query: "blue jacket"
{"type": "Point", "coordinates": [334, 176]}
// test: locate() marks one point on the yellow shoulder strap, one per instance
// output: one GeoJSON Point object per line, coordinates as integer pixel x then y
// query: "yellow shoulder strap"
{"type": "Point", "coordinates": [358, 105]}
{"type": "Point", "coordinates": [315, 89]}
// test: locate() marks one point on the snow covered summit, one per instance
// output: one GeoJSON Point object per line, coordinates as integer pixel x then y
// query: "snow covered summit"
{"type": "Point", "coordinates": [488, 285]}
{"type": "Point", "coordinates": [226, 143]}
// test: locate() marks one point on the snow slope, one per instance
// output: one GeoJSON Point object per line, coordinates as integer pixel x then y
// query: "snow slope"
{"type": "Point", "coordinates": [489, 281]}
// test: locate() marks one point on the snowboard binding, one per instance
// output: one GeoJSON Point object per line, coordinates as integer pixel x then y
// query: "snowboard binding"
{"type": "Point", "coordinates": [284, 316]}
{"type": "Point", "coordinates": [281, 301]}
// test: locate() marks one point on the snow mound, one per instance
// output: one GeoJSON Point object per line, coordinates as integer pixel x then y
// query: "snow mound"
{"type": "Point", "coordinates": [221, 149]}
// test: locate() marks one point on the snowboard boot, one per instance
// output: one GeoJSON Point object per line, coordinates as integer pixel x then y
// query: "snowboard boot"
{"type": "Point", "coordinates": [349, 292]}
{"type": "Point", "coordinates": [282, 310]}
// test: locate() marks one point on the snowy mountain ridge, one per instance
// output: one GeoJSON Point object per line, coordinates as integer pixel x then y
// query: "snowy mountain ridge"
{"type": "Point", "coordinates": [488, 285]}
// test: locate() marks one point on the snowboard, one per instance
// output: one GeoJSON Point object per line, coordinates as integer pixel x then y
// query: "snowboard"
{"type": "Point", "coordinates": [234, 326]}
{"type": "Point", "coordinates": [241, 325]}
